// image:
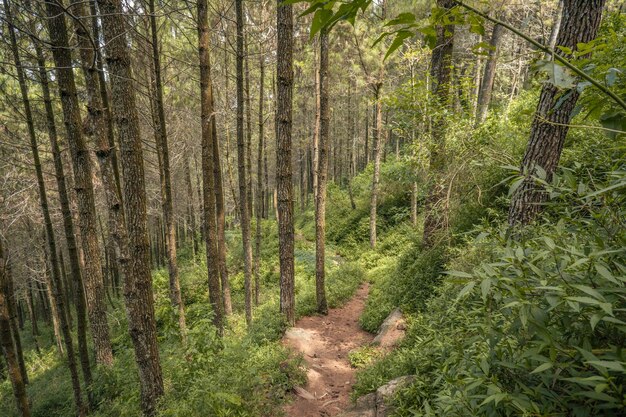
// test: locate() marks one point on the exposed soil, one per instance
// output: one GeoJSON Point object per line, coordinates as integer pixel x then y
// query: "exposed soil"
{"type": "Point", "coordinates": [324, 342]}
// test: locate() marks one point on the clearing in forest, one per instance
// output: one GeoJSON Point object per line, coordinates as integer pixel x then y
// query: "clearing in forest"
{"type": "Point", "coordinates": [325, 342]}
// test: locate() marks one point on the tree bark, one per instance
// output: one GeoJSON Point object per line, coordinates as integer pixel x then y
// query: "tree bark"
{"type": "Point", "coordinates": [489, 75]}
{"type": "Point", "coordinates": [81, 162]}
{"type": "Point", "coordinates": [220, 213]}
{"type": "Point", "coordinates": [166, 180]}
{"type": "Point", "coordinates": [580, 23]}
{"type": "Point", "coordinates": [6, 338]}
{"type": "Point", "coordinates": [208, 176]}
{"type": "Point", "coordinates": [259, 177]}
{"type": "Point", "coordinates": [284, 185]}
{"type": "Point", "coordinates": [134, 245]}
{"type": "Point", "coordinates": [440, 70]}
{"type": "Point", "coordinates": [244, 211]}
{"type": "Point", "coordinates": [57, 296]}
{"type": "Point", "coordinates": [322, 177]}
{"type": "Point", "coordinates": [378, 144]}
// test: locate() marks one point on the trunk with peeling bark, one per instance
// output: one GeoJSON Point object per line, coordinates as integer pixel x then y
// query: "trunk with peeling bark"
{"type": "Point", "coordinates": [133, 241]}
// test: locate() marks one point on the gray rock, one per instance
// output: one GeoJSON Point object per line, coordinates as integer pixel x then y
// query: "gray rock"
{"type": "Point", "coordinates": [376, 404]}
{"type": "Point", "coordinates": [391, 331]}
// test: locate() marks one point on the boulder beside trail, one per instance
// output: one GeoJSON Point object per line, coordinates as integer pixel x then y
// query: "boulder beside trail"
{"type": "Point", "coordinates": [391, 331]}
{"type": "Point", "coordinates": [376, 404]}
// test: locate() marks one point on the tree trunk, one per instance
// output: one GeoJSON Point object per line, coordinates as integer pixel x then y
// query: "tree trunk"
{"type": "Point", "coordinates": [322, 177]}
{"type": "Point", "coordinates": [81, 162]}
{"type": "Point", "coordinates": [191, 212]}
{"type": "Point", "coordinates": [210, 225]}
{"type": "Point", "coordinates": [57, 296]}
{"type": "Point", "coordinates": [248, 134]}
{"type": "Point", "coordinates": [244, 211]}
{"type": "Point", "coordinates": [581, 19]}
{"type": "Point", "coordinates": [259, 178]}
{"type": "Point", "coordinates": [6, 338]}
{"type": "Point", "coordinates": [441, 70]}
{"type": "Point", "coordinates": [134, 245]}
{"type": "Point", "coordinates": [316, 129]}
{"type": "Point", "coordinates": [166, 181]}
{"type": "Point", "coordinates": [220, 213]}
{"type": "Point", "coordinates": [378, 144]}
{"type": "Point", "coordinates": [554, 33]}
{"type": "Point", "coordinates": [284, 185]}
{"type": "Point", "coordinates": [489, 75]}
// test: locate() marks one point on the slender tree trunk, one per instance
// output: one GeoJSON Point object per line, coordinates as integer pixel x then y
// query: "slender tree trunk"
{"type": "Point", "coordinates": [441, 70]}
{"type": "Point", "coordinates": [81, 162]}
{"type": "Point", "coordinates": [9, 292]}
{"type": "Point", "coordinates": [220, 213]}
{"type": "Point", "coordinates": [316, 129]}
{"type": "Point", "coordinates": [134, 241]}
{"type": "Point", "coordinates": [322, 176]}
{"type": "Point", "coordinates": [244, 211]}
{"type": "Point", "coordinates": [191, 212]}
{"type": "Point", "coordinates": [489, 75]}
{"type": "Point", "coordinates": [210, 225]}
{"type": "Point", "coordinates": [248, 134]}
{"type": "Point", "coordinates": [57, 296]}
{"type": "Point", "coordinates": [259, 177]}
{"type": "Point", "coordinates": [6, 338]}
{"type": "Point", "coordinates": [554, 33]}
{"type": "Point", "coordinates": [581, 19]}
{"type": "Point", "coordinates": [284, 185]}
{"type": "Point", "coordinates": [378, 144]}
{"type": "Point", "coordinates": [166, 185]}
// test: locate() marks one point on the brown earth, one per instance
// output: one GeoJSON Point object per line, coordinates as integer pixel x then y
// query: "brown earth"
{"type": "Point", "coordinates": [324, 342]}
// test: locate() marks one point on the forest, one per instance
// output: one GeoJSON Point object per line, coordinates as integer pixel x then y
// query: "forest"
{"type": "Point", "coordinates": [312, 208]}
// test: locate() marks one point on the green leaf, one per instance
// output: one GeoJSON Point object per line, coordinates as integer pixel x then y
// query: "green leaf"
{"type": "Point", "coordinates": [469, 287]}
{"type": "Point", "coordinates": [485, 286]}
{"type": "Point", "coordinates": [542, 367]}
{"type": "Point", "coordinates": [460, 274]}
{"type": "Point", "coordinates": [402, 19]}
{"type": "Point", "coordinates": [612, 365]}
{"type": "Point", "coordinates": [398, 41]}
{"type": "Point", "coordinates": [605, 273]}
{"type": "Point", "coordinates": [321, 17]}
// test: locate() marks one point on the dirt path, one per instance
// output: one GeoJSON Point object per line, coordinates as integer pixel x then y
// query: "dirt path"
{"type": "Point", "coordinates": [325, 341]}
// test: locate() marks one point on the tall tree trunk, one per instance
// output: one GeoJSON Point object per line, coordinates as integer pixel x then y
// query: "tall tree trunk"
{"type": "Point", "coordinates": [316, 128]}
{"type": "Point", "coordinates": [81, 162]}
{"type": "Point", "coordinates": [378, 145]}
{"type": "Point", "coordinates": [284, 185]}
{"type": "Point", "coordinates": [6, 338]}
{"type": "Point", "coordinates": [441, 70]}
{"type": "Point", "coordinates": [259, 178]}
{"type": "Point", "coordinates": [322, 176]}
{"type": "Point", "coordinates": [210, 225]}
{"type": "Point", "coordinates": [191, 212]}
{"type": "Point", "coordinates": [581, 19]}
{"type": "Point", "coordinates": [52, 251]}
{"type": "Point", "coordinates": [9, 292]}
{"type": "Point", "coordinates": [248, 134]}
{"type": "Point", "coordinates": [134, 240]}
{"type": "Point", "coordinates": [244, 211]}
{"type": "Point", "coordinates": [220, 212]}
{"type": "Point", "coordinates": [166, 185]}
{"type": "Point", "coordinates": [489, 75]}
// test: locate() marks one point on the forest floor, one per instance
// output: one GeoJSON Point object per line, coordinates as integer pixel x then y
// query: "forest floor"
{"type": "Point", "coordinates": [325, 342]}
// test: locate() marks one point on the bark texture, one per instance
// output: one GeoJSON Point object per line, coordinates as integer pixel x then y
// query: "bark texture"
{"type": "Point", "coordinates": [284, 185]}
{"type": "Point", "coordinates": [207, 115]}
{"type": "Point", "coordinates": [489, 75]}
{"type": "Point", "coordinates": [135, 246]}
{"type": "Point", "coordinates": [322, 178]}
{"type": "Point", "coordinates": [580, 22]}
{"type": "Point", "coordinates": [81, 163]}
{"type": "Point", "coordinates": [244, 210]}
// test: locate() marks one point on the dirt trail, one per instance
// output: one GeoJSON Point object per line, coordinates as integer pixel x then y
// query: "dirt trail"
{"type": "Point", "coordinates": [325, 341]}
